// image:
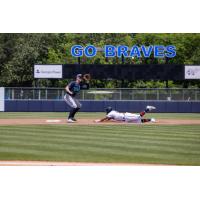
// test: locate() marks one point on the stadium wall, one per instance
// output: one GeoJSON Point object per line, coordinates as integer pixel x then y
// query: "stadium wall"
{"type": "Point", "coordinates": [99, 106]}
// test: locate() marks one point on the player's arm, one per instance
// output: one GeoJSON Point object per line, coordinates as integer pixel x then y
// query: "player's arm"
{"type": "Point", "coordinates": [67, 88]}
{"type": "Point", "coordinates": [85, 84]}
{"type": "Point", "coordinates": [103, 119]}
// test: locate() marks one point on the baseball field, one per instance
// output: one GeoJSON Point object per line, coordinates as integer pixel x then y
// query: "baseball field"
{"type": "Point", "coordinates": [46, 138]}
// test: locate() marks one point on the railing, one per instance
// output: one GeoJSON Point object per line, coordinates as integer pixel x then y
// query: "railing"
{"type": "Point", "coordinates": [105, 94]}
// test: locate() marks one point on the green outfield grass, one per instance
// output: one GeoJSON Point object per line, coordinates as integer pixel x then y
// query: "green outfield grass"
{"type": "Point", "coordinates": [163, 144]}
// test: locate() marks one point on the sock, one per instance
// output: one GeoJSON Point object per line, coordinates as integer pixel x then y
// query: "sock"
{"type": "Point", "coordinates": [142, 113]}
{"type": "Point", "coordinates": [145, 120]}
{"type": "Point", "coordinates": [71, 113]}
{"type": "Point", "coordinates": [75, 111]}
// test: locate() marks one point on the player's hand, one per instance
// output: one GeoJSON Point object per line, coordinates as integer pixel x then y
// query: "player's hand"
{"type": "Point", "coordinates": [97, 120]}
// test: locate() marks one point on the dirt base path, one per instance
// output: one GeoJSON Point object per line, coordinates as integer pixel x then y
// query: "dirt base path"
{"type": "Point", "coordinates": [51, 163]}
{"type": "Point", "coordinates": [91, 122]}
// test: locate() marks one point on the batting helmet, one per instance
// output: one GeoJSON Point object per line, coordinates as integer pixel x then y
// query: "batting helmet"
{"type": "Point", "coordinates": [108, 109]}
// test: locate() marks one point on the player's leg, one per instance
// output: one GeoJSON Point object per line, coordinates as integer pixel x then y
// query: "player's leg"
{"type": "Point", "coordinates": [71, 102]}
{"type": "Point", "coordinates": [148, 108]}
{"type": "Point", "coordinates": [148, 120]}
{"type": "Point", "coordinates": [132, 118]}
{"type": "Point", "coordinates": [78, 104]}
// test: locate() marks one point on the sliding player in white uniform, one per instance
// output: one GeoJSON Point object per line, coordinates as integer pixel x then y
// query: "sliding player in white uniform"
{"type": "Point", "coordinates": [127, 117]}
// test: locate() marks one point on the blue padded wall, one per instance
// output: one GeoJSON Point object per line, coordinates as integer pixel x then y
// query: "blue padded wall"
{"type": "Point", "coordinates": [99, 106]}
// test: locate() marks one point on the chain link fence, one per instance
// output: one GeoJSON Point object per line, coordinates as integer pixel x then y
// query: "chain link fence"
{"type": "Point", "coordinates": [105, 94]}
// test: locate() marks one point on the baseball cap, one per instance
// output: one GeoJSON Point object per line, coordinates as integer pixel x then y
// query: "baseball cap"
{"type": "Point", "coordinates": [79, 76]}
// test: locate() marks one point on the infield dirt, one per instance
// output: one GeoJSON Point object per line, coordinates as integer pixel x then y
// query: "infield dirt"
{"type": "Point", "coordinates": [91, 122]}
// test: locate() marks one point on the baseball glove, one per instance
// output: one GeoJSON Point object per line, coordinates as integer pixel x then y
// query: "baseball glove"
{"type": "Point", "coordinates": [87, 77]}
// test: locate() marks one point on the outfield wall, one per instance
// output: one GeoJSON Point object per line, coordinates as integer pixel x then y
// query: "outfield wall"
{"type": "Point", "coordinates": [99, 106]}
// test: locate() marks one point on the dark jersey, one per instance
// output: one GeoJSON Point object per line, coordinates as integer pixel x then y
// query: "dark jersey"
{"type": "Point", "coordinates": [74, 87]}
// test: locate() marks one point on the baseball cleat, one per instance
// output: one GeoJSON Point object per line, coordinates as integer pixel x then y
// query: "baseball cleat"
{"type": "Point", "coordinates": [70, 121]}
{"type": "Point", "coordinates": [150, 108]}
{"type": "Point", "coordinates": [74, 119]}
{"type": "Point", "coordinates": [153, 120]}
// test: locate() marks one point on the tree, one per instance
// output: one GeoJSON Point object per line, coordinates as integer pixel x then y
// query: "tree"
{"type": "Point", "coordinates": [25, 51]}
{"type": "Point", "coordinates": [19, 53]}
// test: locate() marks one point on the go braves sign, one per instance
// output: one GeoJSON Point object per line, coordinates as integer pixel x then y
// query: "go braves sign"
{"type": "Point", "coordinates": [157, 51]}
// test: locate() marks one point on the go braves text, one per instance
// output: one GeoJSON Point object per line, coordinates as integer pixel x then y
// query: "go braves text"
{"type": "Point", "coordinates": [158, 51]}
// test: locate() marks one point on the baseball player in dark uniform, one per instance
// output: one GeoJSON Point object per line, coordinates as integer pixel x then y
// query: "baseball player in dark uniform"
{"type": "Point", "coordinates": [70, 97]}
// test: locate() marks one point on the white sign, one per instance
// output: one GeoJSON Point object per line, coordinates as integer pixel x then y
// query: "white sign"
{"type": "Point", "coordinates": [192, 72]}
{"type": "Point", "coordinates": [2, 99]}
{"type": "Point", "coordinates": [47, 71]}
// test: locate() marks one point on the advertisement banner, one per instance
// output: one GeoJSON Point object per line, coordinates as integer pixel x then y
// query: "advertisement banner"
{"type": "Point", "coordinates": [2, 101]}
{"type": "Point", "coordinates": [192, 72]}
{"type": "Point", "coordinates": [47, 71]}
